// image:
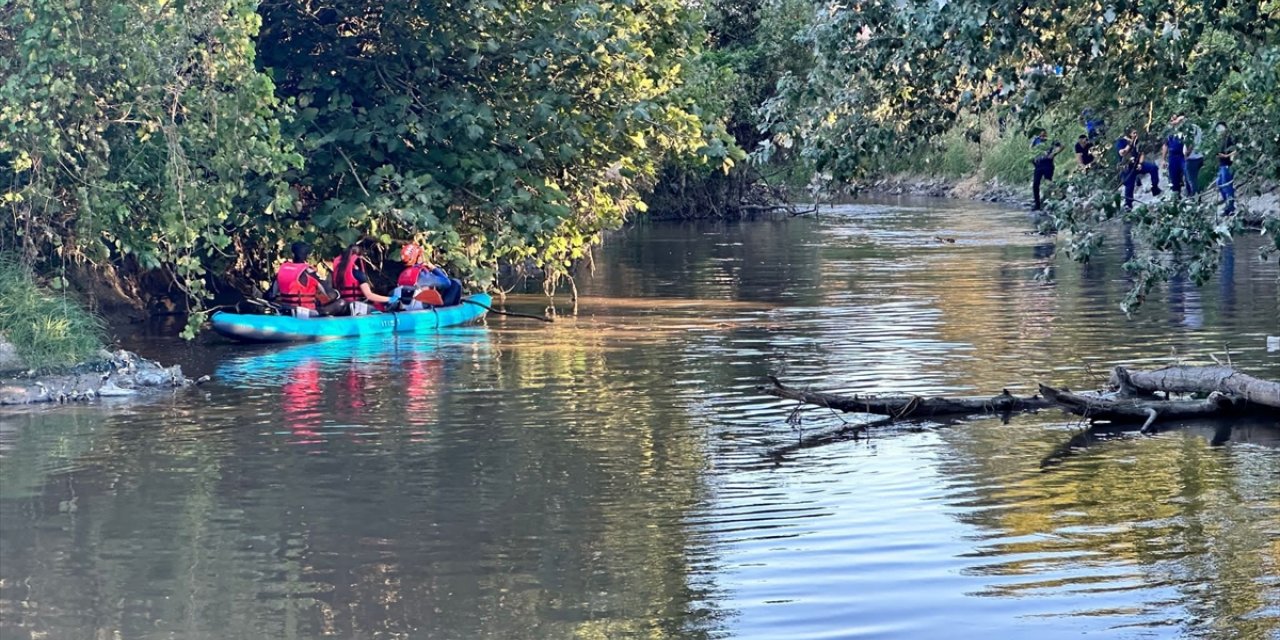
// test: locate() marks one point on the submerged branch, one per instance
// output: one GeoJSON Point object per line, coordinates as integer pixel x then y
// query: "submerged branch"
{"type": "Point", "coordinates": [1228, 392]}
{"type": "Point", "coordinates": [908, 406]}
{"type": "Point", "coordinates": [1144, 411]}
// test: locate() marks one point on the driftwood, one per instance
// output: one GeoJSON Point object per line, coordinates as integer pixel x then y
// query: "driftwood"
{"type": "Point", "coordinates": [908, 406]}
{"type": "Point", "coordinates": [1147, 411]}
{"type": "Point", "coordinates": [1229, 394]}
{"type": "Point", "coordinates": [1199, 380]}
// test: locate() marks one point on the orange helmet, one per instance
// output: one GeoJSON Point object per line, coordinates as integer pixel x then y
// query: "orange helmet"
{"type": "Point", "coordinates": [411, 254]}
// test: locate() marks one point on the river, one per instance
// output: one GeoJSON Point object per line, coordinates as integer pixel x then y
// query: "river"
{"type": "Point", "coordinates": [615, 474]}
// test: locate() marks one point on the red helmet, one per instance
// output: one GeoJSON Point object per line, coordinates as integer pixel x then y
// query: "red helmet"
{"type": "Point", "coordinates": [411, 254]}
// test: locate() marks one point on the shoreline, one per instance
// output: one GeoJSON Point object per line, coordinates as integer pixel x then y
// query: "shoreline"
{"type": "Point", "coordinates": [971, 189]}
{"type": "Point", "coordinates": [116, 374]}
{"type": "Point", "coordinates": [1259, 206]}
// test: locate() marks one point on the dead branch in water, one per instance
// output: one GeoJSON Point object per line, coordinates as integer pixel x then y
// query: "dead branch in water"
{"type": "Point", "coordinates": [1147, 411]}
{"type": "Point", "coordinates": [908, 406]}
{"type": "Point", "coordinates": [1227, 393]}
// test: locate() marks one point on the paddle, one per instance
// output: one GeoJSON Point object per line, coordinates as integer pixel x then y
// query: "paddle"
{"type": "Point", "coordinates": [508, 313]}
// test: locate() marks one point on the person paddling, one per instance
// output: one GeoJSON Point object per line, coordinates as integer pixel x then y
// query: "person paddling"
{"type": "Point", "coordinates": [298, 286]}
{"type": "Point", "coordinates": [428, 278]}
{"type": "Point", "coordinates": [351, 282]}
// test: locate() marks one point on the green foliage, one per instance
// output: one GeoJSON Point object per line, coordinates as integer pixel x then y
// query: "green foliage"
{"type": "Point", "coordinates": [958, 154]}
{"type": "Point", "coordinates": [177, 138]}
{"type": "Point", "coordinates": [137, 133]}
{"type": "Point", "coordinates": [1171, 237]}
{"type": "Point", "coordinates": [504, 131]}
{"type": "Point", "coordinates": [891, 78]}
{"type": "Point", "coordinates": [47, 328]}
{"type": "Point", "coordinates": [751, 45]}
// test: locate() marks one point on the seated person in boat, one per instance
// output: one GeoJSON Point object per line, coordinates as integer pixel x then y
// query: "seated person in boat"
{"type": "Point", "coordinates": [350, 281]}
{"type": "Point", "coordinates": [431, 286]}
{"type": "Point", "coordinates": [298, 286]}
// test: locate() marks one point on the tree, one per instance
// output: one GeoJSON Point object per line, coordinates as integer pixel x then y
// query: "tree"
{"type": "Point", "coordinates": [890, 77]}
{"type": "Point", "coordinates": [138, 136]}
{"type": "Point", "coordinates": [497, 131]}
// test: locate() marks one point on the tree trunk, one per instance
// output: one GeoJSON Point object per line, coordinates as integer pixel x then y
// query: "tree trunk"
{"type": "Point", "coordinates": [1184, 379]}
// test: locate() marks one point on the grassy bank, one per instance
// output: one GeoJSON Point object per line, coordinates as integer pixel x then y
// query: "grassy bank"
{"type": "Point", "coordinates": [47, 328]}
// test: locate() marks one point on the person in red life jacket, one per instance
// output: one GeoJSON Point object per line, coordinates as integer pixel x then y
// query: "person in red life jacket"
{"type": "Point", "coordinates": [351, 282]}
{"type": "Point", "coordinates": [298, 286]}
{"type": "Point", "coordinates": [427, 277]}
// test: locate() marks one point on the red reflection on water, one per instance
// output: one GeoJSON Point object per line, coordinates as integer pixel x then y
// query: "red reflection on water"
{"type": "Point", "coordinates": [422, 378]}
{"type": "Point", "coordinates": [301, 398]}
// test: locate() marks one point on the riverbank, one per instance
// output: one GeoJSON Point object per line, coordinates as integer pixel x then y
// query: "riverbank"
{"type": "Point", "coordinates": [42, 323]}
{"type": "Point", "coordinates": [1256, 207]}
{"type": "Point", "coordinates": [968, 188]}
{"type": "Point", "coordinates": [111, 374]}
{"type": "Point", "coordinates": [51, 346]}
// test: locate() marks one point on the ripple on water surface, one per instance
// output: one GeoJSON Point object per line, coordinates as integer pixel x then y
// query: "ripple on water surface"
{"type": "Point", "coordinates": [616, 474]}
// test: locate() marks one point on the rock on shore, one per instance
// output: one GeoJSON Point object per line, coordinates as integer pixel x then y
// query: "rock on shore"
{"type": "Point", "coordinates": [121, 373]}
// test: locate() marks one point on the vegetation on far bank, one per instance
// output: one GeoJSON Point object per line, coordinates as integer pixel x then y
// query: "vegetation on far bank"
{"type": "Point", "coordinates": [918, 84]}
{"type": "Point", "coordinates": [48, 328]}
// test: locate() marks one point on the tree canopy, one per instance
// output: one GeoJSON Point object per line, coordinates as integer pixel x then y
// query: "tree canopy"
{"type": "Point", "coordinates": [199, 136]}
{"type": "Point", "coordinates": [892, 75]}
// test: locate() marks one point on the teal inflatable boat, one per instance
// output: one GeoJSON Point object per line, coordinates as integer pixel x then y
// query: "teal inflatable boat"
{"type": "Point", "coordinates": [264, 328]}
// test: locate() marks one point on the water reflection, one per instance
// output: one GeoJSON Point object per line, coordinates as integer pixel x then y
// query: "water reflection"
{"type": "Point", "coordinates": [1130, 526]}
{"type": "Point", "coordinates": [607, 476]}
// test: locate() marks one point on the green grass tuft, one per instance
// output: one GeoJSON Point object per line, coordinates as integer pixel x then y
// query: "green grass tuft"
{"type": "Point", "coordinates": [1008, 158]}
{"type": "Point", "coordinates": [47, 328]}
{"type": "Point", "coordinates": [957, 156]}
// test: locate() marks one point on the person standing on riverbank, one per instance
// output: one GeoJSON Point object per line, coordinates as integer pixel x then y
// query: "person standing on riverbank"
{"type": "Point", "coordinates": [1175, 153]}
{"type": "Point", "coordinates": [1195, 158]}
{"type": "Point", "coordinates": [1133, 164]}
{"type": "Point", "coordinates": [1043, 167]}
{"type": "Point", "coordinates": [1084, 151]}
{"type": "Point", "coordinates": [1093, 127]}
{"type": "Point", "coordinates": [1226, 179]}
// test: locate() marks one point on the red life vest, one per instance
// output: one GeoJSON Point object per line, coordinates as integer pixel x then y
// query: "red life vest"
{"type": "Point", "coordinates": [409, 277]}
{"type": "Point", "coordinates": [345, 281]}
{"type": "Point", "coordinates": [425, 295]}
{"type": "Point", "coordinates": [293, 290]}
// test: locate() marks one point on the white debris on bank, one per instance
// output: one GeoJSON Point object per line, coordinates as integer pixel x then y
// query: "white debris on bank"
{"type": "Point", "coordinates": [122, 373]}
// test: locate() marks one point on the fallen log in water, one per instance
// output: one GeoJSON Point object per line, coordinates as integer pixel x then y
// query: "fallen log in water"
{"type": "Point", "coordinates": [1144, 410]}
{"type": "Point", "coordinates": [908, 406]}
{"type": "Point", "coordinates": [1199, 380]}
{"type": "Point", "coordinates": [1230, 393]}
